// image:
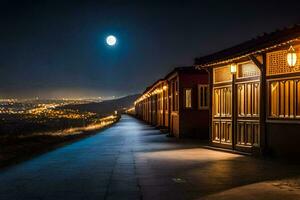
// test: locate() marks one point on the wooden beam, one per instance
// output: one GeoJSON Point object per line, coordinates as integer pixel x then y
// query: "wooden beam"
{"type": "Point", "coordinates": [256, 62]}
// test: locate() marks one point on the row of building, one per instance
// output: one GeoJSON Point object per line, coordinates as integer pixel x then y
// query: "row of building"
{"type": "Point", "coordinates": [245, 98]}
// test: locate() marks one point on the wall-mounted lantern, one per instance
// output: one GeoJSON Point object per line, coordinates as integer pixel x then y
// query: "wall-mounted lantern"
{"type": "Point", "coordinates": [233, 68]}
{"type": "Point", "coordinates": [291, 57]}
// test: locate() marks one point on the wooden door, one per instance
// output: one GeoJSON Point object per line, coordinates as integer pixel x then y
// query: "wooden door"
{"type": "Point", "coordinates": [222, 120]}
{"type": "Point", "coordinates": [248, 113]}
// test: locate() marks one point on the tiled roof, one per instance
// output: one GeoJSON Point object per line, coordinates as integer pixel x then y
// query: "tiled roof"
{"type": "Point", "coordinates": [151, 86]}
{"type": "Point", "coordinates": [185, 69]}
{"type": "Point", "coordinates": [260, 43]}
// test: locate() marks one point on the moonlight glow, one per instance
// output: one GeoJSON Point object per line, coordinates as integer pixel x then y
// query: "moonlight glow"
{"type": "Point", "coordinates": [111, 40]}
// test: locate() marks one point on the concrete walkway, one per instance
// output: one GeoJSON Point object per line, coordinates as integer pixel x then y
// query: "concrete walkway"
{"type": "Point", "coordinates": [132, 160]}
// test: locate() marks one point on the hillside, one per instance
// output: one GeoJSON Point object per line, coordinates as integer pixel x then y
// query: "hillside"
{"type": "Point", "coordinates": [105, 107]}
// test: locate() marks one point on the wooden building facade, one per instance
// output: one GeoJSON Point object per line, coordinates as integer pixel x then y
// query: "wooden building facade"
{"type": "Point", "coordinates": [152, 106]}
{"type": "Point", "coordinates": [188, 92]}
{"type": "Point", "coordinates": [255, 94]}
{"type": "Point", "coordinates": [178, 102]}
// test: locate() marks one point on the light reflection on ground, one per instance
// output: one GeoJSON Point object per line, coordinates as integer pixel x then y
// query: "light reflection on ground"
{"type": "Point", "coordinates": [195, 154]}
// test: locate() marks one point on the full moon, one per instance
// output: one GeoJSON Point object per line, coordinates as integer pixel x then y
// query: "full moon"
{"type": "Point", "coordinates": [111, 40]}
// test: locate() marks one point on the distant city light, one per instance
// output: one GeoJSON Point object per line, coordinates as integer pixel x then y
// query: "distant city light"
{"type": "Point", "coordinates": [111, 40]}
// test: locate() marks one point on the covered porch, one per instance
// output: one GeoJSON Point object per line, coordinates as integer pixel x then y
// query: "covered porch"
{"type": "Point", "coordinates": [255, 101]}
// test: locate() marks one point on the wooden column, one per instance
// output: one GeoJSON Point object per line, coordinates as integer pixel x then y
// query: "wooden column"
{"type": "Point", "coordinates": [210, 115]}
{"type": "Point", "coordinates": [169, 105]}
{"type": "Point", "coordinates": [233, 111]}
{"type": "Point", "coordinates": [263, 100]}
{"type": "Point", "coordinates": [263, 106]}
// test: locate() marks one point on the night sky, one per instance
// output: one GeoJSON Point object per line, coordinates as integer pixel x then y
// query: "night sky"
{"type": "Point", "coordinates": [58, 49]}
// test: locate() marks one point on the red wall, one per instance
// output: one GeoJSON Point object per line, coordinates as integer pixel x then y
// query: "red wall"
{"type": "Point", "coordinates": [193, 122]}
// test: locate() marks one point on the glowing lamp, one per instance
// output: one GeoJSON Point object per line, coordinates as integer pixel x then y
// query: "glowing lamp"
{"type": "Point", "coordinates": [165, 87]}
{"type": "Point", "coordinates": [233, 68]}
{"type": "Point", "coordinates": [291, 57]}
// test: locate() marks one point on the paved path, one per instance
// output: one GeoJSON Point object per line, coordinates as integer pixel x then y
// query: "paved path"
{"type": "Point", "coordinates": [132, 160]}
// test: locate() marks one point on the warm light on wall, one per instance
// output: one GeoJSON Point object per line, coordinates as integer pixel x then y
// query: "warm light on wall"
{"type": "Point", "coordinates": [165, 87]}
{"type": "Point", "coordinates": [233, 68]}
{"type": "Point", "coordinates": [291, 57]}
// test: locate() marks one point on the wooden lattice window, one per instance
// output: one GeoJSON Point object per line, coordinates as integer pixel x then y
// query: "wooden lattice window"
{"type": "Point", "coordinates": [277, 62]}
{"type": "Point", "coordinates": [188, 98]}
{"type": "Point", "coordinates": [222, 102]}
{"type": "Point", "coordinates": [174, 95]}
{"type": "Point", "coordinates": [247, 70]}
{"type": "Point", "coordinates": [203, 93]}
{"type": "Point", "coordinates": [222, 74]}
{"type": "Point", "coordinates": [248, 99]}
{"type": "Point", "coordinates": [165, 100]}
{"type": "Point", "coordinates": [284, 97]}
